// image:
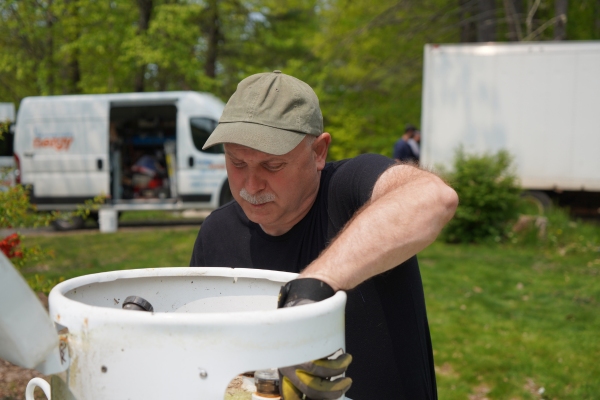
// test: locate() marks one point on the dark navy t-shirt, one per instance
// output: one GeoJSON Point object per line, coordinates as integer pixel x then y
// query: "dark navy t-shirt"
{"type": "Point", "coordinates": [386, 322]}
{"type": "Point", "coordinates": [403, 152]}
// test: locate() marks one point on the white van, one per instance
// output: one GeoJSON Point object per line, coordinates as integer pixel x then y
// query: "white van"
{"type": "Point", "coordinates": [140, 150]}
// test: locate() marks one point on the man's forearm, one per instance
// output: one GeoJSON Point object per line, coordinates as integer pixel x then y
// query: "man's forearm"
{"type": "Point", "coordinates": [408, 209]}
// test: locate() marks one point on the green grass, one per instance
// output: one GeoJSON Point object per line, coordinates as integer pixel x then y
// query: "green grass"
{"type": "Point", "coordinates": [150, 215]}
{"type": "Point", "coordinates": [505, 320]}
{"type": "Point", "coordinates": [512, 320]}
{"type": "Point", "coordinates": [90, 252]}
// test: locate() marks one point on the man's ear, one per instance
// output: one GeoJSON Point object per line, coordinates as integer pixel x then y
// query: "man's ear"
{"type": "Point", "coordinates": [320, 147]}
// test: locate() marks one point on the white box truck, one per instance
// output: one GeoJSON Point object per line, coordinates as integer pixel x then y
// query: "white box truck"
{"type": "Point", "coordinates": [539, 101]}
{"type": "Point", "coordinates": [142, 151]}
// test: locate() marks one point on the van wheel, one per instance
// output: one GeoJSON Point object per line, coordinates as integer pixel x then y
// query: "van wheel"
{"type": "Point", "coordinates": [68, 223]}
{"type": "Point", "coordinates": [226, 195]}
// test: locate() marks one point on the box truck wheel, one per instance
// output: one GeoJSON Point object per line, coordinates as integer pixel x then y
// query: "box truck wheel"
{"type": "Point", "coordinates": [226, 195]}
{"type": "Point", "coordinates": [540, 199]}
{"type": "Point", "coordinates": [68, 223]}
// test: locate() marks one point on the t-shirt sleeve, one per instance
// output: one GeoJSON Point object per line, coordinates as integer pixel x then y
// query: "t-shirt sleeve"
{"type": "Point", "coordinates": [404, 152]}
{"type": "Point", "coordinates": [351, 186]}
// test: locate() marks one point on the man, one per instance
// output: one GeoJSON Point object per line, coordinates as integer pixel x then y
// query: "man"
{"type": "Point", "coordinates": [403, 151]}
{"type": "Point", "coordinates": [352, 225]}
{"type": "Point", "coordinates": [415, 145]}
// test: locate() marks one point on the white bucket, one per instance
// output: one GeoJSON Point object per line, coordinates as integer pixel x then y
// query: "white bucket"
{"type": "Point", "coordinates": [108, 221]}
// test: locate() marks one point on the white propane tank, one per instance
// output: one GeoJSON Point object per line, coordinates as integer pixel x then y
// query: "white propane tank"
{"type": "Point", "coordinates": [207, 326]}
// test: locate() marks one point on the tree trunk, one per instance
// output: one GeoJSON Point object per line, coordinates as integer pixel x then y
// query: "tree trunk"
{"type": "Point", "coordinates": [597, 20]}
{"type": "Point", "coordinates": [145, 7]}
{"type": "Point", "coordinates": [468, 31]}
{"type": "Point", "coordinates": [213, 39]}
{"type": "Point", "coordinates": [560, 28]}
{"type": "Point", "coordinates": [74, 74]}
{"type": "Point", "coordinates": [514, 15]}
{"type": "Point", "coordinates": [73, 69]}
{"type": "Point", "coordinates": [486, 22]}
{"type": "Point", "coordinates": [50, 49]}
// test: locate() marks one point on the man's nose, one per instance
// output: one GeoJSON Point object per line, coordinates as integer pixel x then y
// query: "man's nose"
{"type": "Point", "coordinates": [254, 183]}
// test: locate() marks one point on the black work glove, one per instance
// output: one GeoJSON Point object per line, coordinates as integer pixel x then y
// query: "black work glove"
{"type": "Point", "coordinates": [312, 378]}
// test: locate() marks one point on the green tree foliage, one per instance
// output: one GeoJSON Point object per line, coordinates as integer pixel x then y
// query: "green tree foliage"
{"type": "Point", "coordinates": [363, 57]}
{"type": "Point", "coordinates": [489, 196]}
{"type": "Point", "coordinates": [369, 80]}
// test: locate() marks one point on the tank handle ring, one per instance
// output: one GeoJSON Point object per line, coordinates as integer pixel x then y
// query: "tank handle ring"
{"type": "Point", "coordinates": [37, 382]}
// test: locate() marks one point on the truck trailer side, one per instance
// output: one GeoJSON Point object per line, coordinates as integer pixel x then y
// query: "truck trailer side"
{"type": "Point", "coordinates": [539, 101]}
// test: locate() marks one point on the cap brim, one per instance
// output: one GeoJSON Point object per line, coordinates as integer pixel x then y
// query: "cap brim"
{"type": "Point", "coordinates": [256, 136]}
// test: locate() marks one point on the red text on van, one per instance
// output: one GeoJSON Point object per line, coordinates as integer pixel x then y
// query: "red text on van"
{"type": "Point", "coordinates": [58, 143]}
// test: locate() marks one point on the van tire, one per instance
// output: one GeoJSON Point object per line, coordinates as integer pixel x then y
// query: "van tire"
{"type": "Point", "coordinates": [68, 224]}
{"type": "Point", "coordinates": [226, 195]}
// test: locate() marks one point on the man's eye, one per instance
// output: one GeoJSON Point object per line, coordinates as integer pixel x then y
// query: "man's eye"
{"type": "Point", "coordinates": [274, 167]}
{"type": "Point", "coordinates": [238, 164]}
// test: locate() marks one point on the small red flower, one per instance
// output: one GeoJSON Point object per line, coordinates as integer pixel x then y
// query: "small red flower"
{"type": "Point", "coordinates": [9, 246]}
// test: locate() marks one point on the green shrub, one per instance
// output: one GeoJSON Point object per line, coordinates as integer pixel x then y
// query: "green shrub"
{"type": "Point", "coordinates": [16, 211]}
{"type": "Point", "coordinates": [488, 193]}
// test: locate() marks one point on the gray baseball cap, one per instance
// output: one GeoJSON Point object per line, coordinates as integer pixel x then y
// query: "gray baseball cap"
{"type": "Point", "coordinates": [271, 112]}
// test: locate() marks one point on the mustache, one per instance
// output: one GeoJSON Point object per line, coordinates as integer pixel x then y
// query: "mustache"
{"type": "Point", "coordinates": [256, 199]}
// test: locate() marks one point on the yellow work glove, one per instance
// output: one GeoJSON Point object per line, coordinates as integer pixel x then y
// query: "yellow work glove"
{"type": "Point", "coordinates": [313, 379]}
{"type": "Point", "coordinates": [318, 379]}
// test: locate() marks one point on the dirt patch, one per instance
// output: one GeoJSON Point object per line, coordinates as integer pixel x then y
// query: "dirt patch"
{"type": "Point", "coordinates": [446, 370]}
{"type": "Point", "coordinates": [480, 392]}
{"type": "Point", "coordinates": [536, 390]}
{"type": "Point", "coordinates": [13, 381]}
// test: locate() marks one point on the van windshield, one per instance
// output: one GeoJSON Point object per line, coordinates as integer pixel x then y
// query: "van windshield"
{"type": "Point", "coordinates": [201, 130]}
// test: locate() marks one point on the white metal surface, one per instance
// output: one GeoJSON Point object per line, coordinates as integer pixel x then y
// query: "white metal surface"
{"type": "Point", "coordinates": [540, 101]}
{"type": "Point", "coordinates": [7, 112]}
{"type": "Point", "coordinates": [209, 325]}
{"type": "Point", "coordinates": [27, 335]}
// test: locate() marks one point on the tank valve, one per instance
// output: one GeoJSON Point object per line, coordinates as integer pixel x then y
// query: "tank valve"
{"type": "Point", "coordinates": [267, 385]}
{"type": "Point", "coordinates": [137, 303]}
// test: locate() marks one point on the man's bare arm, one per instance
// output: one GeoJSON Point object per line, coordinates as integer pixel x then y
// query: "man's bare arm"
{"type": "Point", "coordinates": [408, 209]}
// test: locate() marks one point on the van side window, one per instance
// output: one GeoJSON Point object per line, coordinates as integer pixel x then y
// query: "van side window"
{"type": "Point", "coordinates": [201, 130]}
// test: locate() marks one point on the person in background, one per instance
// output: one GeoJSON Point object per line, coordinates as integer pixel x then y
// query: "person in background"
{"type": "Point", "coordinates": [402, 150]}
{"type": "Point", "coordinates": [415, 145]}
{"type": "Point", "coordinates": [354, 225]}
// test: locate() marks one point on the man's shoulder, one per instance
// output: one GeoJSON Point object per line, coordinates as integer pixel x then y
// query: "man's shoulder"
{"type": "Point", "coordinates": [361, 161]}
{"type": "Point", "coordinates": [402, 143]}
{"type": "Point", "coordinates": [224, 218]}
{"type": "Point", "coordinates": [361, 158]}
{"type": "Point", "coordinates": [357, 175]}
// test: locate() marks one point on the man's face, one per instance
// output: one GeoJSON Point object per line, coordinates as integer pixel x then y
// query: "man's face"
{"type": "Point", "coordinates": [276, 191]}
